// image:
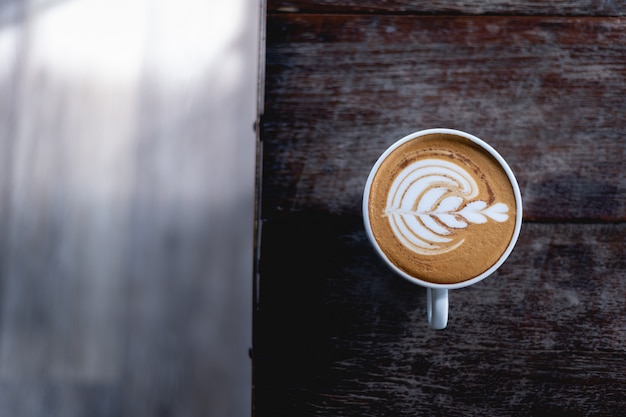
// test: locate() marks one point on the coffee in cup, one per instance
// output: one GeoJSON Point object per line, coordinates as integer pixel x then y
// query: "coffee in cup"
{"type": "Point", "coordinates": [442, 208]}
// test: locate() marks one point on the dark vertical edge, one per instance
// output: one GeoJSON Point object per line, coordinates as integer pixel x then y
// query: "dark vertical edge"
{"type": "Point", "coordinates": [258, 223]}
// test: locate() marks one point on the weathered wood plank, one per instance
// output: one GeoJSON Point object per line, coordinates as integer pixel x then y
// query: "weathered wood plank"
{"type": "Point", "coordinates": [338, 334]}
{"type": "Point", "coordinates": [474, 7]}
{"type": "Point", "coordinates": [546, 92]}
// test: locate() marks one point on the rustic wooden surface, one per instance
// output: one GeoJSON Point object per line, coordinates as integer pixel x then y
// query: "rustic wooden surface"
{"type": "Point", "coordinates": [470, 7]}
{"type": "Point", "coordinates": [335, 332]}
{"type": "Point", "coordinates": [340, 89]}
{"type": "Point", "coordinates": [127, 155]}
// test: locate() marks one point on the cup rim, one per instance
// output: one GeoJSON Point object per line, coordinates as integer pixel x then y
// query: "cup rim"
{"type": "Point", "coordinates": [516, 192]}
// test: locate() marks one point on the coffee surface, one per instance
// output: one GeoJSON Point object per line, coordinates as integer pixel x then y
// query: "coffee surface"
{"type": "Point", "coordinates": [442, 208]}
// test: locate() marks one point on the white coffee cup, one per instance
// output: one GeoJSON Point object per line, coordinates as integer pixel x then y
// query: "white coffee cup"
{"type": "Point", "coordinates": [437, 294]}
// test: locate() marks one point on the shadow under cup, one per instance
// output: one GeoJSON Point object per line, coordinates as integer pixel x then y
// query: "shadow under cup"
{"type": "Point", "coordinates": [443, 209]}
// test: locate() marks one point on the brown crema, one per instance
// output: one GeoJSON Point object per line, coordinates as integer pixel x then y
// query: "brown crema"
{"type": "Point", "coordinates": [459, 236]}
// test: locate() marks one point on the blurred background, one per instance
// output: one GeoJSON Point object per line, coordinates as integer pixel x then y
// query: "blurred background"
{"type": "Point", "coordinates": [127, 164]}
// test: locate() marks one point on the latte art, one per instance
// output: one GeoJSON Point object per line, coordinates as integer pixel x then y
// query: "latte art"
{"type": "Point", "coordinates": [430, 200]}
{"type": "Point", "coordinates": [441, 207]}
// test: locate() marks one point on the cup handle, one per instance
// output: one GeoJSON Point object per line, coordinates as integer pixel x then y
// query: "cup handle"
{"type": "Point", "coordinates": [437, 307]}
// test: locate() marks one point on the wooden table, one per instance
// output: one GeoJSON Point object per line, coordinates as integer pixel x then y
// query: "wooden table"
{"type": "Point", "coordinates": [338, 334]}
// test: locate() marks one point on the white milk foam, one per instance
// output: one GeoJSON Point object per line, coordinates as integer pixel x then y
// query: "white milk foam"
{"type": "Point", "coordinates": [431, 201]}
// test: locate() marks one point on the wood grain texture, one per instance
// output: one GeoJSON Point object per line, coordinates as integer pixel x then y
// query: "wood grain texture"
{"type": "Point", "coordinates": [467, 7]}
{"type": "Point", "coordinates": [338, 334]}
{"type": "Point", "coordinates": [547, 93]}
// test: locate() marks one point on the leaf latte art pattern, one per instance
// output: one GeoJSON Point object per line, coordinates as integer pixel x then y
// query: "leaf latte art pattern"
{"type": "Point", "coordinates": [431, 200]}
